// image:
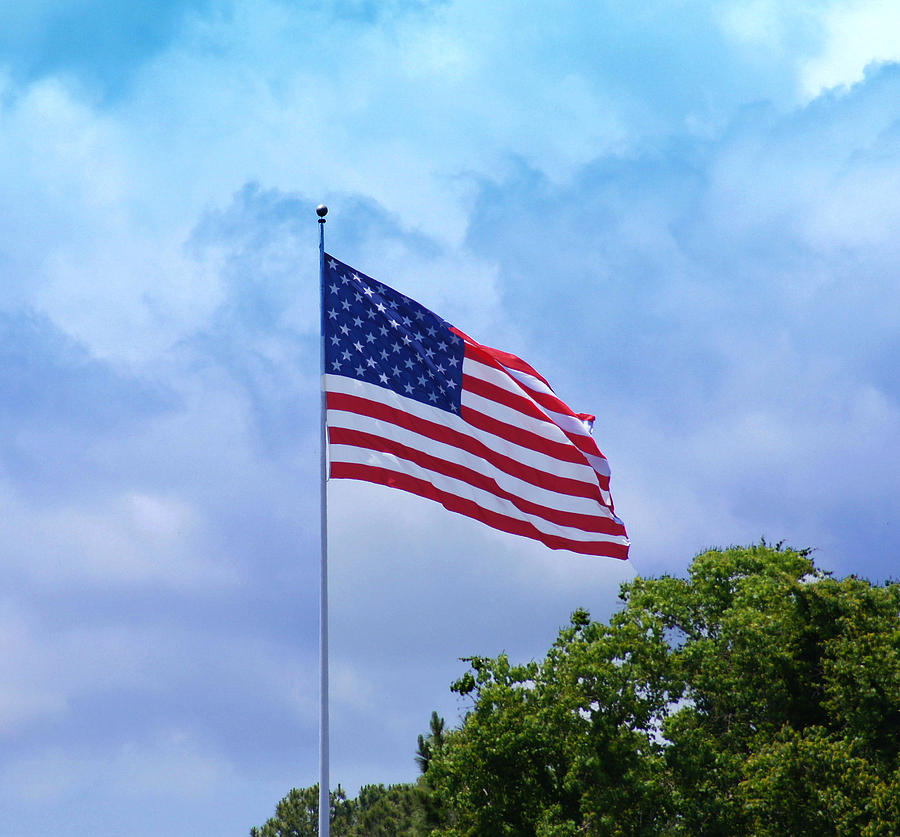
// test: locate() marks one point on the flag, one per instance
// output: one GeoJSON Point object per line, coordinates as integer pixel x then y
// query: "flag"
{"type": "Point", "coordinates": [414, 403]}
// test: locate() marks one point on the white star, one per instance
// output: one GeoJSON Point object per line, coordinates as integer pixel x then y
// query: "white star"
{"type": "Point", "coordinates": [382, 331]}
{"type": "Point", "coordinates": [440, 368]}
{"type": "Point", "coordinates": [356, 277]}
{"type": "Point", "coordinates": [370, 338]}
{"type": "Point", "coordinates": [381, 308]}
{"type": "Point", "coordinates": [345, 304]}
{"type": "Point", "coordinates": [429, 353]}
{"type": "Point", "coordinates": [332, 264]}
{"type": "Point", "coordinates": [420, 315]}
{"type": "Point", "coordinates": [360, 371]}
{"type": "Point", "coordinates": [357, 322]}
{"type": "Point", "coordinates": [358, 346]}
{"type": "Point", "coordinates": [332, 314]}
{"type": "Point", "coordinates": [371, 362]}
{"type": "Point", "coordinates": [345, 329]}
{"type": "Point", "coordinates": [422, 381]}
{"type": "Point", "coordinates": [408, 388]}
{"type": "Point", "coordinates": [442, 346]}
{"type": "Point", "coordinates": [345, 354]}
{"type": "Point", "coordinates": [371, 313]}
{"type": "Point", "coordinates": [406, 339]}
{"type": "Point", "coordinates": [408, 363]}
{"type": "Point", "coordinates": [335, 340]}
{"type": "Point", "coordinates": [358, 297]}
{"type": "Point", "coordinates": [396, 371]}
{"type": "Point", "coordinates": [368, 291]}
{"type": "Point", "coordinates": [334, 288]}
{"type": "Point", "coordinates": [453, 361]}
{"type": "Point", "coordinates": [432, 397]}
{"type": "Point", "coordinates": [383, 378]}
{"type": "Point", "coordinates": [345, 279]}
{"type": "Point", "coordinates": [383, 354]}
{"type": "Point", "coordinates": [393, 324]}
{"type": "Point", "coordinates": [336, 365]}
{"type": "Point", "coordinates": [431, 331]}
{"type": "Point", "coordinates": [419, 336]}
{"type": "Point", "coordinates": [407, 321]}
{"type": "Point", "coordinates": [451, 383]}
{"type": "Point", "coordinates": [395, 347]}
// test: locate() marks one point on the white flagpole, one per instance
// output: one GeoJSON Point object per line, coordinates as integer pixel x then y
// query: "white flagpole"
{"type": "Point", "coordinates": [324, 786]}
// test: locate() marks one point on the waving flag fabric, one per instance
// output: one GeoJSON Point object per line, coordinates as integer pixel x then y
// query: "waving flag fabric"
{"type": "Point", "coordinates": [416, 404]}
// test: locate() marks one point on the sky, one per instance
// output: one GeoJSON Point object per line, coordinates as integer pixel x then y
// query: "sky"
{"type": "Point", "coordinates": [684, 215]}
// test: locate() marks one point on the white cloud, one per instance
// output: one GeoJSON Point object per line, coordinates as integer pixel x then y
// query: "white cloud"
{"type": "Point", "coordinates": [133, 539]}
{"type": "Point", "coordinates": [857, 34]}
{"type": "Point", "coordinates": [828, 45]}
{"type": "Point", "coordinates": [83, 248]}
{"type": "Point", "coordinates": [44, 668]}
{"type": "Point", "coordinates": [726, 306]}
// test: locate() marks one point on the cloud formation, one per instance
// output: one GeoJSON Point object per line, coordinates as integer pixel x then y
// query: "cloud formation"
{"type": "Point", "coordinates": [684, 218]}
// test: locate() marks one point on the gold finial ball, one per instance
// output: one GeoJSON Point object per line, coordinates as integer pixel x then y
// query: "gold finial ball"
{"type": "Point", "coordinates": [321, 210]}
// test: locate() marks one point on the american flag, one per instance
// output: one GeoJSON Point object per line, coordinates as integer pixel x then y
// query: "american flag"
{"type": "Point", "coordinates": [416, 404]}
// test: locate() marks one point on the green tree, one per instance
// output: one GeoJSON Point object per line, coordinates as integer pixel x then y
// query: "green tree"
{"type": "Point", "coordinates": [756, 696]}
{"type": "Point", "coordinates": [395, 811]}
{"type": "Point", "coordinates": [430, 744]}
{"type": "Point", "coordinates": [297, 815]}
{"type": "Point", "coordinates": [392, 811]}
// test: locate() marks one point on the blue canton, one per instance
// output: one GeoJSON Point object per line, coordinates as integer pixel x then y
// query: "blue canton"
{"type": "Point", "coordinates": [374, 334]}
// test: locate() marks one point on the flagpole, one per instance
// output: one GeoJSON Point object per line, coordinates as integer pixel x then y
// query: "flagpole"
{"type": "Point", "coordinates": [324, 785]}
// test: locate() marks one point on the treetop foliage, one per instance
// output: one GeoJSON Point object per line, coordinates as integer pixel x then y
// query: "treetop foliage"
{"type": "Point", "coordinates": [758, 695]}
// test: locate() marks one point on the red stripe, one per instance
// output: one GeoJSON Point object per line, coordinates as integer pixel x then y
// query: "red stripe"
{"type": "Point", "coordinates": [442, 433]}
{"type": "Point", "coordinates": [494, 392]}
{"type": "Point", "coordinates": [469, 508]}
{"type": "Point", "coordinates": [529, 404]}
{"type": "Point", "coordinates": [498, 359]}
{"type": "Point", "coordinates": [371, 441]}
{"type": "Point", "coordinates": [546, 400]}
{"type": "Point", "coordinates": [502, 361]}
{"type": "Point", "coordinates": [527, 439]}
{"type": "Point", "coordinates": [584, 441]}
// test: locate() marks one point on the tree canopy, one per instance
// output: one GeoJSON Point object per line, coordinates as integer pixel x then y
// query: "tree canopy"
{"type": "Point", "coordinates": [757, 695]}
{"type": "Point", "coordinates": [378, 811]}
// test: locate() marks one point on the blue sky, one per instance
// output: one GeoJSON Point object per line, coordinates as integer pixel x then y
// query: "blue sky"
{"type": "Point", "coordinates": [683, 214]}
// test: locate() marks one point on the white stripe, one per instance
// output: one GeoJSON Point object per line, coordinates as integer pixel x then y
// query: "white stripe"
{"type": "Point", "coordinates": [568, 423]}
{"type": "Point", "coordinates": [533, 458]}
{"type": "Point", "coordinates": [544, 429]}
{"type": "Point", "coordinates": [450, 453]}
{"type": "Point", "coordinates": [573, 425]}
{"type": "Point", "coordinates": [530, 381]}
{"type": "Point", "coordinates": [497, 377]}
{"type": "Point", "coordinates": [359, 456]}
{"type": "Point", "coordinates": [510, 415]}
{"type": "Point", "coordinates": [489, 373]}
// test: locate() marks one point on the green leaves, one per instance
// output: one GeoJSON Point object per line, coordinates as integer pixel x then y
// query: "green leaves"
{"type": "Point", "coordinates": [297, 815]}
{"type": "Point", "coordinates": [378, 811]}
{"type": "Point", "coordinates": [758, 695]}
